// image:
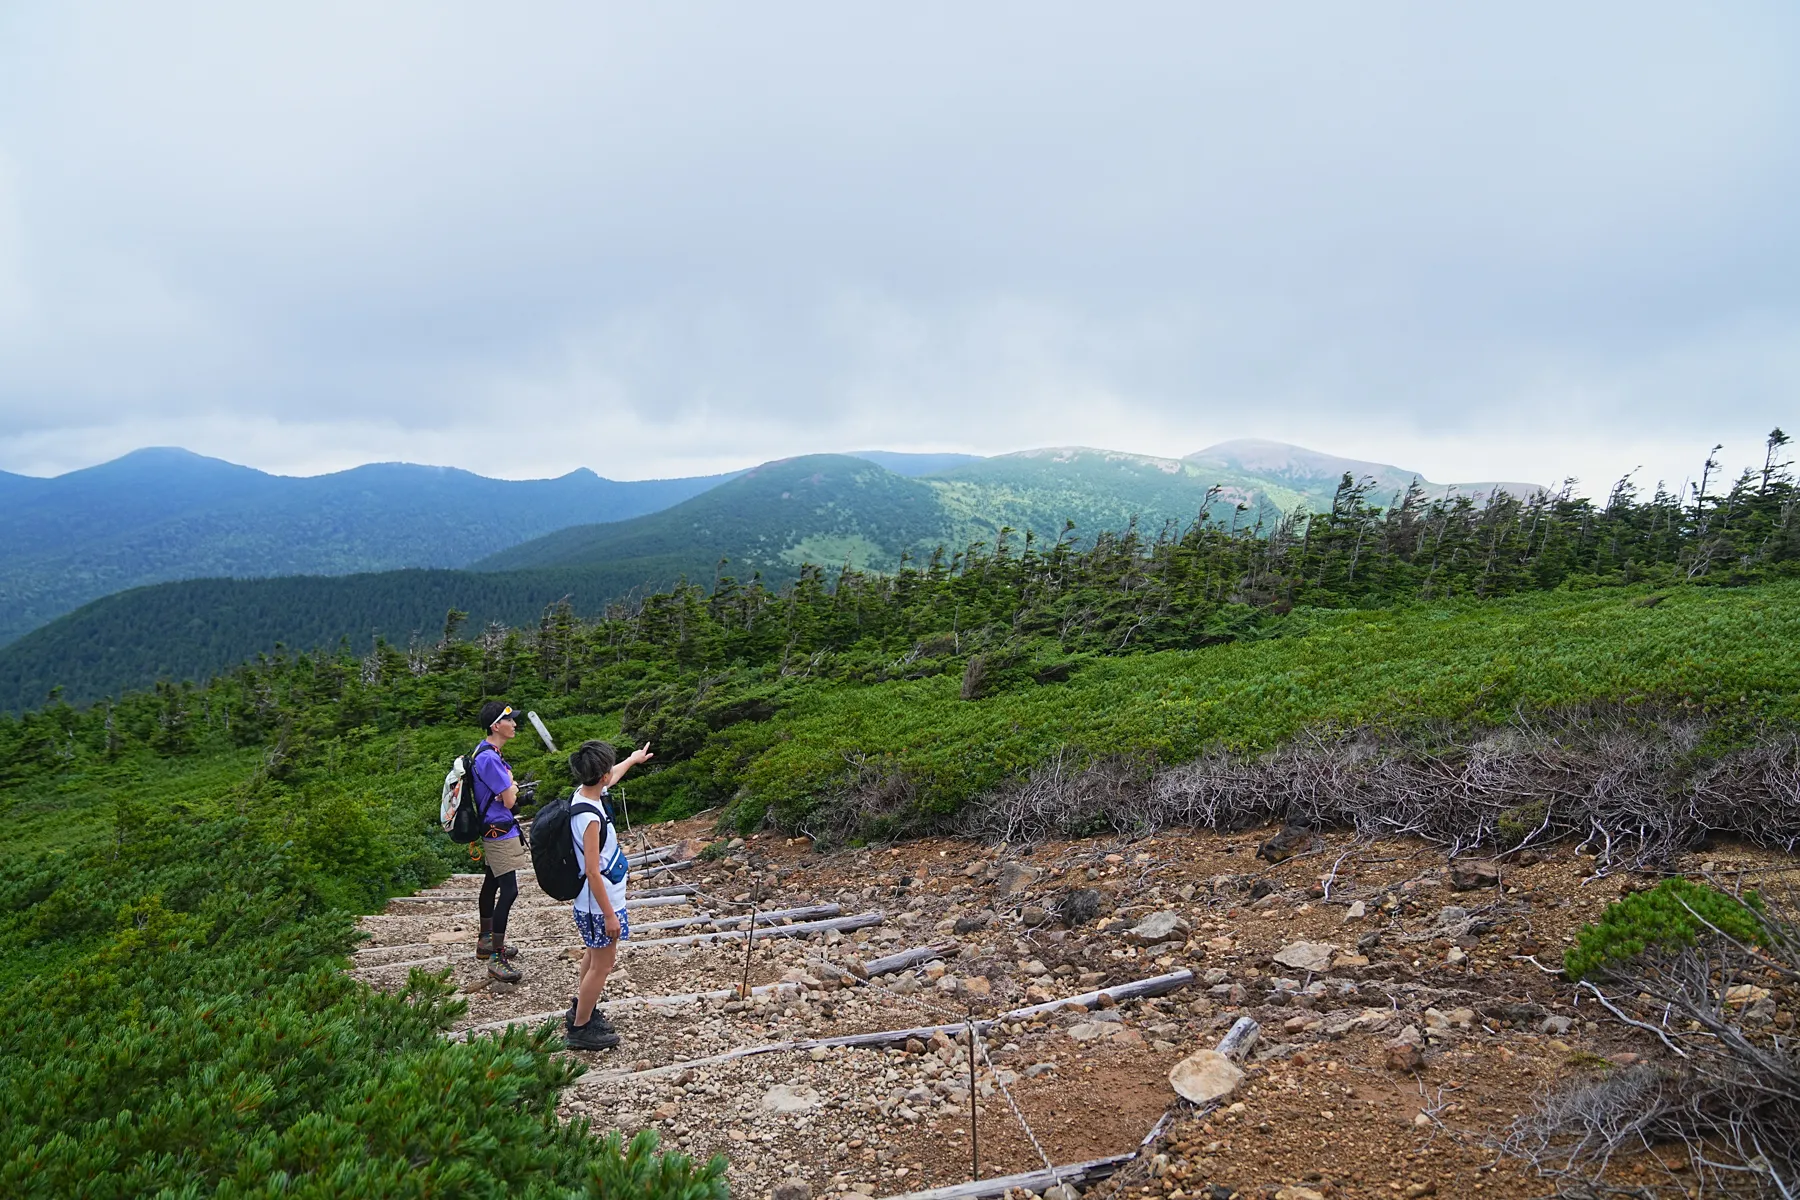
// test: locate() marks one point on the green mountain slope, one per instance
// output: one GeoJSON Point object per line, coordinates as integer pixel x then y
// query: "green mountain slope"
{"type": "Point", "coordinates": [165, 514]}
{"type": "Point", "coordinates": [819, 508]}
{"type": "Point", "coordinates": [1314, 475]}
{"type": "Point", "coordinates": [828, 510]}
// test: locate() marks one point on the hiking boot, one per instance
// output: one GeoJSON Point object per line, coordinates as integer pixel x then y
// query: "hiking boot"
{"type": "Point", "coordinates": [484, 943]}
{"type": "Point", "coordinates": [590, 1037]}
{"type": "Point", "coordinates": [501, 971]}
{"type": "Point", "coordinates": [596, 1019]}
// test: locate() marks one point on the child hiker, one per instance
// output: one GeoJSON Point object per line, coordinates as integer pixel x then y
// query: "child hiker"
{"type": "Point", "coordinates": [600, 908]}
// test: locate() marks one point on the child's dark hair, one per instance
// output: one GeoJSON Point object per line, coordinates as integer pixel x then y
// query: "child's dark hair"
{"type": "Point", "coordinates": [592, 762]}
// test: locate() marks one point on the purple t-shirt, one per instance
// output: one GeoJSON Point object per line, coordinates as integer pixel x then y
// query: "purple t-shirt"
{"type": "Point", "coordinates": [493, 776]}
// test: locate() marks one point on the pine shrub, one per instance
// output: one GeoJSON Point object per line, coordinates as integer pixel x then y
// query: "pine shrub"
{"type": "Point", "coordinates": [1669, 917]}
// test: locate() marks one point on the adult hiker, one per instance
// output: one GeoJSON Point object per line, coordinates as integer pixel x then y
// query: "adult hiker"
{"type": "Point", "coordinates": [503, 850]}
{"type": "Point", "coordinates": [600, 908]}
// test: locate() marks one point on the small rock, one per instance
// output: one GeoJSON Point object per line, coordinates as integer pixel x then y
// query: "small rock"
{"type": "Point", "coordinates": [1077, 907]}
{"type": "Point", "coordinates": [1262, 889]}
{"type": "Point", "coordinates": [971, 922]}
{"type": "Point", "coordinates": [1015, 877]}
{"type": "Point", "coordinates": [1557, 1026]}
{"type": "Point", "coordinates": [1415, 1190]}
{"type": "Point", "coordinates": [1306, 956]}
{"type": "Point", "coordinates": [1062, 1191]}
{"type": "Point", "coordinates": [1357, 911]}
{"type": "Point", "coordinates": [1158, 927]}
{"type": "Point", "coordinates": [1284, 845]}
{"type": "Point", "coordinates": [976, 985]}
{"type": "Point", "coordinates": [792, 1189]}
{"type": "Point", "coordinates": [1296, 1192]}
{"type": "Point", "coordinates": [947, 983]}
{"type": "Point", "coordinates": [788, 1098]}
{"type": "Point", "coordinates": [1421, 1121]}
{"type": "Point", "coordinates": [1345, 961]}
{"type": "Point", "coordinates": [915, 1046]}
{"type": "Point", "coordinates": [819, 1053]}
{"type": "Point", "coordinates": [1403, 1055]}
{"type": "Point", "coordinates": [1468, 874]}
{"type": "Point", "coordinates": [1205, 1076]}
{"type": "Point", "coordinates": [1454, 957]}
{"type": "Point", "coordinates": [1034, 915]}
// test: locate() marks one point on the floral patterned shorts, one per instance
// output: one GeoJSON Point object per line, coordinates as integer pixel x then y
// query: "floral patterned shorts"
{"type": "Point", "coordinates": [593, 928]}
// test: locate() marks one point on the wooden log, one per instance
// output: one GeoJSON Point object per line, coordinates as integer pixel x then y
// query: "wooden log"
{"type": "Point", "coordinates": [1241, 1039]}
{"type": "Point", "coordinates": [655, 854]}
{"type": "Point", "coordinates": [631, 902]}
{"type": "Point", "coordinates": [1156, 985]}
{"type": "Point", "coordinates": [1091, 1171]}
{"type": "Point", "coordinates": [659, 868]}
{"type": "Point", "coordinates": [842, 924]}
{"type": "Point", "coordinates": [888, 964]}
{"type": "Point", "coordinates": [806, 912]}
{"type": "Point", "coordinates": [675, 889]}
{"type": "Point", "coordinates": [440, 961]}
{"type": "Point", "coordinates": [880, 1037]}
{"type": "Point", "coordinates": [614, 1005]}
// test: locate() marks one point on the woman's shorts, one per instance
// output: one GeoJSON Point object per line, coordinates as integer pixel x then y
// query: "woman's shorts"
{"type": "Point", "coordinates": [592, 926]}
{"type": "Point", "coordinates": [505, 854]}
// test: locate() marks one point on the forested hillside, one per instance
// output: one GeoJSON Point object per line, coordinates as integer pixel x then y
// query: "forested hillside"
{"type": "Point", "coordinates": [769, 526]}
{"type": "Point", "coordinates": [165, 514]}
{"type": "Point", "coordinates": [870, 511]}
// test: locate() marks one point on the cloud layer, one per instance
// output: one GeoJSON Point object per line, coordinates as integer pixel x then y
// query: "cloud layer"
{"type": "Point", "coordinates": [1518, 243]}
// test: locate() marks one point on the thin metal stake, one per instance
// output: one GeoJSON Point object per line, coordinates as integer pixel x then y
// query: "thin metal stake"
{"type": "Point", "coordinates": [749, 940]}
{"type": "Point", "coordinates": [974, 1130]}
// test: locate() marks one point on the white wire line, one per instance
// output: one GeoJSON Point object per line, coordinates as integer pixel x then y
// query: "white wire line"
{"type": "Point", "coordinates": [977, 1045]}
{"type": "Point", "coordinates": [1055, 1175]}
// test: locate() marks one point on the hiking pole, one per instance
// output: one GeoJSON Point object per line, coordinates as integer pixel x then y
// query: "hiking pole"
{"type": "Point", "coordinates": [974, 1128]}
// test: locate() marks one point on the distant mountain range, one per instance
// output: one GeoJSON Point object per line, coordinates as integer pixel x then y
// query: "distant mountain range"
{"type": "Point", "coordinates": [163, 514]}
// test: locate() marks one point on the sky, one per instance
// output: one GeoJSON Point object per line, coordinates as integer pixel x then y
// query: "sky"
{"type": "Point", "coordinates": [1522, 241]}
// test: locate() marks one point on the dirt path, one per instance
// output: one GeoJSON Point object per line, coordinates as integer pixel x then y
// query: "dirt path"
{"type": "Point", "coordinates": [1322, 1111]}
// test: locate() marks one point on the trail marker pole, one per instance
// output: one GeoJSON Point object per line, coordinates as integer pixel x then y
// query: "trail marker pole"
{"type": "Point", "coordinates": [749, 941]}
{"type": "Point", "coordinates": [974, 1128]}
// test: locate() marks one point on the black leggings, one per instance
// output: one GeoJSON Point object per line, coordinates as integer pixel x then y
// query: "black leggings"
{"type": "Point", "coordinates": [497, 895]}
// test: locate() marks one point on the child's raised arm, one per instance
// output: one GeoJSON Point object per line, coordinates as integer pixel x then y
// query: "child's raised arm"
{"type": "Point", "coordinates": [641, 754]}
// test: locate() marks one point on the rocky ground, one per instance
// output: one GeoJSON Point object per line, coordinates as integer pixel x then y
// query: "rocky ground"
{"type": "Point", "coordinates": [1404, 1022]}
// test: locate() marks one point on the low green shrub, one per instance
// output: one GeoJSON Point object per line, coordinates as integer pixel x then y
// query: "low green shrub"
{"type": "Point", "coordinates": [1671, 916]}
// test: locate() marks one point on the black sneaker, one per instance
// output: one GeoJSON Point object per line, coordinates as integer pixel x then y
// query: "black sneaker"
{"type": "Point", "coordinates": [596, 1019]}
{"type": "Point", "coordinates": [590, 1037]}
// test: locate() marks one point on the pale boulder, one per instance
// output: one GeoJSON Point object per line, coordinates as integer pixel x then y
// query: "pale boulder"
{"type": "Point", "coordinates": [1205, 1076]}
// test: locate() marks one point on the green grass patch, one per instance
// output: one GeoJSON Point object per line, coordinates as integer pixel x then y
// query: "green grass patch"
{"type": "Point", "coordinates": [1734, 653]}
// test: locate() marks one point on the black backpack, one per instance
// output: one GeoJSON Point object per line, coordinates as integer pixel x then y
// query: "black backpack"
{"type": "Point", "coordinates": [459, 808]}
{"type": "Point", "coordinates": [553, 846]}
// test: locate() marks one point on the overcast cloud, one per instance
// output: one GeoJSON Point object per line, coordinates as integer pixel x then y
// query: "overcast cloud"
{"type": "Point", "coordinates": [1513, 241]}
